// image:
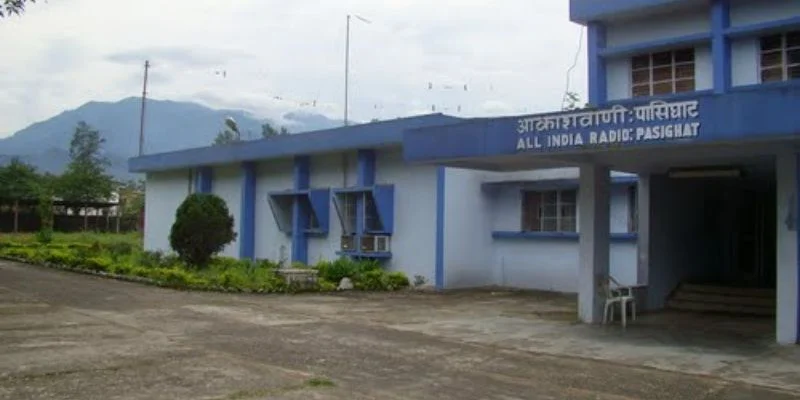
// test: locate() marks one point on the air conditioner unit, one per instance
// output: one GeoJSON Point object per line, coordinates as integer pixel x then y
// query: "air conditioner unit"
{"type": "Point", "coordinates": [383, 244]}
{"type": "Point", "coordinates": [368, 244]}
{"type": "Point", "coordinates": [348, 243]}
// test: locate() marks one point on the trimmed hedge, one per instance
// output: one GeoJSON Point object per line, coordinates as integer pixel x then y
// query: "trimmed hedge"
{"type": "Point", "coordinates": [124, 261]}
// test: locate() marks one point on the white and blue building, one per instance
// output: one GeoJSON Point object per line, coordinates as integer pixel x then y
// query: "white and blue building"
{"type": "Point", "coordinates": [685, 167]}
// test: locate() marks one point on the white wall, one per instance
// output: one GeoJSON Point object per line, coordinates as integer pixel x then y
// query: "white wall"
{"type": "Point", "coordinates": [164, 192]}
{"type": "Point", "coordinates": [552, 264]}
{"type": "Point", "coordinates": [270, 242]}
{"type": "Point", "coordinates": [467, 230]}
{"type": "Point", "coordinates": [414, 238]}
{"type": "Point", "coordinates": [745, 12]}
{"type": "Point", "coordinates": [227, 184]}
{"type": "Point", "coordinates": [787, 251]}
{"type": "Point", "coordinates": [628, 32]}
{"type": "Point", "coordinates": [331, 171]}
{"type": "Point", "coordinates": [745, 62]}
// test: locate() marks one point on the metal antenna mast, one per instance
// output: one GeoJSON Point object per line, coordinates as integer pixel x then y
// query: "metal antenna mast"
{"type": "Point", "coordinates": [144, 99]}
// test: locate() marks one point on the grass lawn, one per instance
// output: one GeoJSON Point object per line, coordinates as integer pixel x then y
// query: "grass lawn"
{"type": "Point", "coordinates": [121, 255]}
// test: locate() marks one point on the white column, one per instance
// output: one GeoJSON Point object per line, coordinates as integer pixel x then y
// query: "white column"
{"type": "Point", "coordinates": [643, 230]}
{"type": "Point", "coordinates": [787, 248]}
{"type": "Point", "coordinates": [594, 208]}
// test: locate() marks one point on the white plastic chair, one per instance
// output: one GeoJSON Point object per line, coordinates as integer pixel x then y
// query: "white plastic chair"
{"type": "Point", "coordinates": [618, 295]}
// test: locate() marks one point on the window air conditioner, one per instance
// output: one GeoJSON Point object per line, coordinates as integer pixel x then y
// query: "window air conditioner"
{"type": "Point", "coordinates": [348, 242]}
{"type": "Point", "coordinates": [382, 244]}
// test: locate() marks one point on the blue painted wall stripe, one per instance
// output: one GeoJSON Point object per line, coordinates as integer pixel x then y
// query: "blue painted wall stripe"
{"type": "Point", "coordinates": [302, 181]}
{"type": "Point", "coordinates": [247, 220]}
{"type": "Point", "coordinates": [797, 232]}
{"type": "Point", "coordinates": [721, 45]}
{"type": "Point", "coordinates": [598, 92]}
{"type": "Point", "coordinates": [366, 167]}
{"type": "Point", "coordinates": [440, 193]}
{"type": "Point", "coordinates": [204, 180]}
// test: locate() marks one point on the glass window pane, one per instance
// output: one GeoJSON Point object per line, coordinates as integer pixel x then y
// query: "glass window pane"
{"type": "Point", "coordinates": [794, 72]}
{"type": "Point", "coordinates": [640, 76]}
{"type": "Point", "coordinates": [662, 88]}
{"type": "Point", "coordinates": [550, 211]}
{"type": "Point", "coordinates": [641, 90]}
{"type": "Point", "coordinates": [642, 61]}
{"type": "Point", "coordinates": [550, 225]}
{"type": "Point", "coordinates": [793, 39]}
{"type": "Point", "coordinates": [771, 59]}
{"type": "Point", "coordinates": [550, 198]}
{"type": "Point", "coordinates": [684, 85]}
{"type": "Point", "coordinates": [684, 55]}
{"type": "Point", "coordinates": [684, 71]}
{"type": "Point", "coordinates": [568, 211]}
{"type": "Point", "coordinates": [662, 73]}
{"type": "Point", "coordinates": [662, 58]}
{"type": "Point", "coordinates": [772, 74]}
{"type": "Point", "coordinates": [567, 225]}
{"type": "Point", "coordinates": [568, 196]}
{"type": "Point", "coordinates": [771, 42]}
{"type": "Point", "coordinates": [793, 56]}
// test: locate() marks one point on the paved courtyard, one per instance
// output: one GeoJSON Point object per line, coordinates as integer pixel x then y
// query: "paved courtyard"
{"type": "Point", "coordinates": [68, 336]}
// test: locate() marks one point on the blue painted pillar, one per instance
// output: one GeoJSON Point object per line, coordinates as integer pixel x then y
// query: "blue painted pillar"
{"type": "Point", "coordinates": [721, 45]}
{"type": "Point", "coordinates": [440, 198]}
{"type": "Point", "coordinates": [302, 181]}
{"type": "Point", "coordinates": [365, 172]}
{"type": "Point", "coordinates": [203, 180]}
{"type": "Point", "coordinates": [598, 86]}
{"type": "Point", "coordinates": [247, 220]}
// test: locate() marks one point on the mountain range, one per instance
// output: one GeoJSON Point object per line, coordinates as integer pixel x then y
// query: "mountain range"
{"type": "Point", "coordinates": [169, 126]}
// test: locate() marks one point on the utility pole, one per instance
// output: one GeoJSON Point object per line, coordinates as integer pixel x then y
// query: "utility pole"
{"type": "Point", "coordinates": [144, 99]}
{"type": "Point", "coordinates": [346, 68]}
{"type": "Point", "coordinates": [347, 64]}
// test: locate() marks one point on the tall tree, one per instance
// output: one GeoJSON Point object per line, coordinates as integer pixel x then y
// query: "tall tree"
{"type": "Point", "coordinates": [19, 181]}
{"type": "Point", "coordinates": [85, 179]}
{"type": "Point", "coordinates": [13, 7]}
{"type": "Point", "coordinates": [267, 130]}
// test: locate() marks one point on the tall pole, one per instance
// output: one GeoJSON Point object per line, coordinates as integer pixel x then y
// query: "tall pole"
{"type": "Point", "coordinates": [346, 68]}
{"type": "Point", "coordinates": [141, 120]}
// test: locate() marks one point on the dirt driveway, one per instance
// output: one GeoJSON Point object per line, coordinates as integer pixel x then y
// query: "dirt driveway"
{"type": "Point", "coordinates": [67, 336]}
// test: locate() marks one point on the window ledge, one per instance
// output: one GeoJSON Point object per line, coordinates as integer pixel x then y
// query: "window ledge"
{"type": "Point", "coordinates": [316, 232]}
{"type": "Point", "coordinates": [365, 254]}
{"type": "Point", "coordinates": [766, 86]}
{"type": "Point", "coordinates": [614, 237]}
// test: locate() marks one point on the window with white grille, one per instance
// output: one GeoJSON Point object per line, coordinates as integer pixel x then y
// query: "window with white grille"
{"type": "Point", "coordinates": [780, 57]}
{"type": "Point", "coordinates": [550, 211]}
{"type": "Point", "coordinates": [665, 72]}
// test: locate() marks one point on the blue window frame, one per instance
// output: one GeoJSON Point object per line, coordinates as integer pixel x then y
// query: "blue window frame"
{"type": "Point", "coordinates": [366, 215]}
{"type": "Point", "coordinates": [314, 205]}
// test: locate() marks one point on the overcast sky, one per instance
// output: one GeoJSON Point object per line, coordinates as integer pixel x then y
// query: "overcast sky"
{"type": "Point", "coordinates": [512, 55]}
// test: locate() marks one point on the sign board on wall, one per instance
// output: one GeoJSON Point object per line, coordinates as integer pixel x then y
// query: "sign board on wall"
{"type": "Point", "coordinates": [617, 125]}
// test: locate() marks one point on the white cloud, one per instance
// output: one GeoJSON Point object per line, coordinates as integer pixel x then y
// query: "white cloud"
{"type": "Point", "coordinates": [280, 56]}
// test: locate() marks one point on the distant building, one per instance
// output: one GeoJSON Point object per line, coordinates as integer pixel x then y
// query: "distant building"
{"type": "Point", "coordinates": [694, 102]}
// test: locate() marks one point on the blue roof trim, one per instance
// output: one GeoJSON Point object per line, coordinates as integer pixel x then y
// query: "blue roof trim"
{"type": "Point", "coordinates": [762, 27]}
{"type": "Point", "coordinates": [378, 134]}
{"type": "Point", "coordinates": [583, 11]}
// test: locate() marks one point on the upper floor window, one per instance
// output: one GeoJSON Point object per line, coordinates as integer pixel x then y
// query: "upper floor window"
{"type": "Point", "coordinates": [780, 57]}
{"type": "Point", "coordinates": [665, 72]}
{"type": "Point", "coordinates": [551, 211]}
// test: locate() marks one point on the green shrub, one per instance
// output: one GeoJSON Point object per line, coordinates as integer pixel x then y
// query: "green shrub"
{"type": "Point", "coordinates": [121, 269]}
{"type": "Point", "coordinates": [396, 280]}
{"type": "Point", "coordinates": [119, 249]}
{"type": "Point", "coordinates": [151, 259]}
{"type": "Point", "coordinates": [44, 235]}
{"type": "Point", "coordinates": [267, 264]}
{"type": "Point", "coordinates": [373, 280]}
{"type": "Point", "coordinates": [20, 252]}
{"type": "Point", "coordinates": [61, 257]}
{"type": "Point", "coordinates": [299, 265]}
{"type": "Point", "coordinates": [368, 265]}
{"type": "Point", "coordinates": [202, 228]}
{"type": "Point", "coordinates": [334, 271]}
{"type": "Point", "coordinates": [327, 286]}
{"type": "Point", "coordinates": [100, 264]}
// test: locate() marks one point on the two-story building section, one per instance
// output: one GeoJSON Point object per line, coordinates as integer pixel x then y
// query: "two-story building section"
{"type": "Point", "coordinates": [684, 169]}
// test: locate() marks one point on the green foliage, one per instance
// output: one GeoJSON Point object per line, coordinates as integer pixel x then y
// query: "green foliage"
{"type": "Point", "coordinates": [19, 180]}
{"type": "Point", "coordinates": [267, 131]}
{"type": "Point", "coordinates": [202, 228]}
{"type": "Point", "coordinates": [420, 280]}
{"type": "Point", "coordinates": [85, 179]}
{"type": "Point", "coordinates": [44, 235]}
{"type": "Point", "coordinates": [396, 280]}
{"type": "Point", "coordinates": [334, 271]}
{"type": "Point", "coordinates": [371, 280]}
